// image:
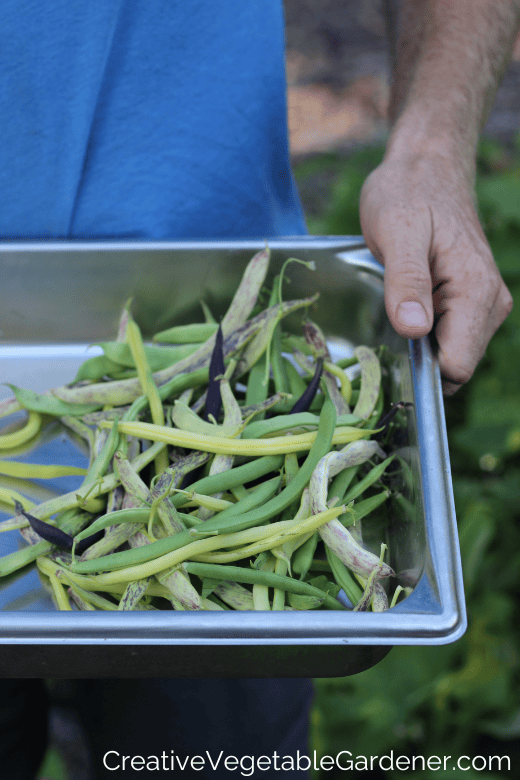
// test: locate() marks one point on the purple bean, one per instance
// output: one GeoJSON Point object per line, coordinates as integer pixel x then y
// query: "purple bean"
{"type": "Point", "coordinates": [306, 398]}
{"type": "Point", "coordinates": [216, 369]}
{"type": "Point", "coordinates": [46, 531]}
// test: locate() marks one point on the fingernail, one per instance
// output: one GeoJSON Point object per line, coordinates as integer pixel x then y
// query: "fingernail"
{"type": "Point", "coordinates": [412, 315]}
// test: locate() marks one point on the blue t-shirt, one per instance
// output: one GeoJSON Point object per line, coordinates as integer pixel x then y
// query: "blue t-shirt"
{"type": "Point", "coordinates": [157, 119]}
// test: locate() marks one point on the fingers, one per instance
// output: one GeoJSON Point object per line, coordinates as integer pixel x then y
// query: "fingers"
{"type": "Point", "coordinates": [404, 241]}
{"type": "Point", "coordinates": [472, 311]}
{"type": "Point", "coordinates": [422, 225]}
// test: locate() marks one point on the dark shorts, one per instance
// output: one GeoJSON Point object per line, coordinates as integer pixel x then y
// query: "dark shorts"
{"type": "Point", "coordinates": [165, 723]}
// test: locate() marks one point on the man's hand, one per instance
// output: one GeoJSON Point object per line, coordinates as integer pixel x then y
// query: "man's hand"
{"type": "Point", "coordinates": [418, 219]}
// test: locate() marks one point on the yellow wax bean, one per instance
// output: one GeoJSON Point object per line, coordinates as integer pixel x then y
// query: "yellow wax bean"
{"type": "Point", "coordinates": [87, 582]}
{"type": "Point", "coordinates": [297, 531]}
{"type": "Point", "coordinates": [278, 445]}
{"type": "Point", "coordinates": [30, 429]}
{"type": "Point", "coordinates": [346, 387]}
{"type": "Point", "coordinates": [10, 497]}
{"type": "Point", "coordinates": [199, 547]}
{"type": "Point", "coordinates": [62, 600]}
{"type": "Point", "coordinates": [208, 502]}
{"type": "Point", "coordinates": [261, 592]}
{"type": "Point", "coordinates": [13, 468]}
{"type": "Point", "coordinates": [135, 342]}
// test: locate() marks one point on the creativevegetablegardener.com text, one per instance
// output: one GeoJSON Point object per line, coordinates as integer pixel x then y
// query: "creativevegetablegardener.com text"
{"type": "Point", "coordinates": [344, 761]}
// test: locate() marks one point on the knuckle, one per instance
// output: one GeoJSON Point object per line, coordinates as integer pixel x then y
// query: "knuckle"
{"type": "Point", "coordinates": [409, 275]}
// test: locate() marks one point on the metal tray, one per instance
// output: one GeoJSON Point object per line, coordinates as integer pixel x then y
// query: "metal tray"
{"type": "Point", "coordinates": [57, 298]}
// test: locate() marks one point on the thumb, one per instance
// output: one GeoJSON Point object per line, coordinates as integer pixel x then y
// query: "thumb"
{"type": "Point", "coordinates": [408, 285]}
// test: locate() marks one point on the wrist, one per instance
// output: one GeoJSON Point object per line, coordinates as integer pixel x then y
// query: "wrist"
{"type": "Point", "coordinates": [430, 131]}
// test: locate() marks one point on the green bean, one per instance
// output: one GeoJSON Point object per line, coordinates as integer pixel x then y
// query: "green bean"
{"type": "Point", "coordinates": [79, 428]}
{"type": "Point", "coordinates": [283, 422]}
{"type": "Point", "coordinates": [164, 546]}
{"type": "Point", "coordinates": [341, 482]}
{"type": "Point", "coordinates": [296, 382]}
{"type": "Point", "coordinates": [102, 461]}
{"type": "Point", "coordinates": [49, 404]}
{"type": "Point", "coordinates": [291, 470]}
{"type": "Point", "coordinates": [176, 385]}
{"type": "Point", "coordinates": [224, 445]}
{"type": "Point", "coordinates": [320, 447]}
{"type": "Point", "coordinates": [157, 357]}
{"type": "Point", "coordinates": [257, 386]}
{"type": "Point", "coordinates": [317, 403]}
{"type": "Point", "coordinates": [249, 503]}
{"type": "Point", "coordinates": [379, 598]}
{"type": "Point", "coordinates": [186, 334]}
{"type": "Point", "coordinates": [177, 584]}
{"type": "Point", "coordinates": [239, 475]}
{"type": "Point", "coordinates": [302, 558]}
{"type": "Point", "coordinates": [343, 577]}
{"type": "Point", "coordinates": [239, 492]}
{"type": "Point", "coordinates": [366, 507]}
{"type": "Point", "coordinates": [320, 565]}
{"type": "Point", "coordinates": [322, 582]}
{"type": "Point", "coordinates": [290, 343]}
{"type": "Point", "coordinates": [347, 362]}
{"type": "Point", "coordinates": [346, 387]}
{"type": "Point", "coordinates": [252, 576]}
{"type": "Point", "coordinates": [122, 392]}
{"type": "Point", "coordinates": [232, 417]}
{"type": "Point", "coordinates": [137, 515]}
{"type": "Point", "coordinates": [373, 475]}
{"type": "Point", "coordinates": [95, 368]}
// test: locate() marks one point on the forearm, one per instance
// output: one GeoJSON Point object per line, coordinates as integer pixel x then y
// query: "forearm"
{"type": "Point", "coordinates": [451, 55]}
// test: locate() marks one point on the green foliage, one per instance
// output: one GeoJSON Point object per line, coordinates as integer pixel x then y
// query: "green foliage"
{"type": "Point", "coordinates": [460, 698]}
{"type": "Point", "coordinates": [53, 766]}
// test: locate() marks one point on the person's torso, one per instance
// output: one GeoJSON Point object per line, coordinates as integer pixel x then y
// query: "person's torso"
{"type": "Point", "coordinates": [144, 120]}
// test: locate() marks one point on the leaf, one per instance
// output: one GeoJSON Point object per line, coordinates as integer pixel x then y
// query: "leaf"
{"type": "Point", "coordinates": [501, 194]}
{"type": "Point", "coordinates": [476, 530]}
{"type": "Point", "coordinates": [477, 441]}
{"type": "Point", "coordinates": [494, 410]}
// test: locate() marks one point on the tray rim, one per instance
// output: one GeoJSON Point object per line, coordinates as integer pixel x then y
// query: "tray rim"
{"type": "Point", "coordinates": [446, 622]}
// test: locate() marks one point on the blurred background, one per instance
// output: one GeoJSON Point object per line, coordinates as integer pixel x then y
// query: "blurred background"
{"type": "Point", "coordinates": [464, 698]}
{"type": "Point", "coordinates": [460, 699]}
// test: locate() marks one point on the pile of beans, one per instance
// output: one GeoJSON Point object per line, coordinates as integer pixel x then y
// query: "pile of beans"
{"type": "Point", "coordinates": [232, 465]}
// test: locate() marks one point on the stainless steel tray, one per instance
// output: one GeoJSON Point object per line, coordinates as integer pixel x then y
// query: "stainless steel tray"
{"type": "Point", "coordinates": [56, 298]}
